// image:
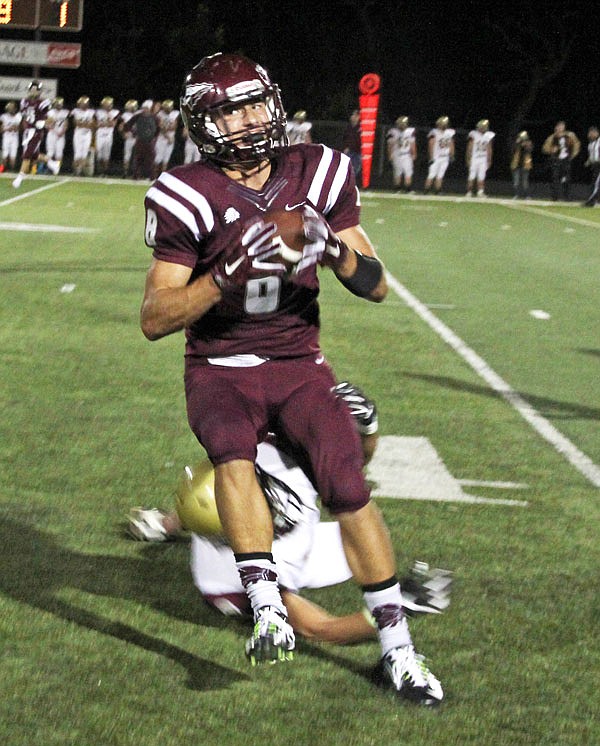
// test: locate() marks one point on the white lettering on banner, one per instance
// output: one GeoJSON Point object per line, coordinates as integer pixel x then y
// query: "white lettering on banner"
{"type": "Point", "coordinates": [16, 88]}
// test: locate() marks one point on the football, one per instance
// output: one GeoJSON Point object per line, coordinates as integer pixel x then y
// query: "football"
{"type": "Point", "coordinates": [195, 500]}
{"type": "Point", "coordinates": [290, 233]}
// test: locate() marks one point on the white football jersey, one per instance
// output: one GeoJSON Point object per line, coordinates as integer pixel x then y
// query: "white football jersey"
{"type": "Point", "coordinates": [442, 141]}
{"type": "Point", "coordinates": [107, 118]}
{"type": "Point", "coordinates": [480, 141]}
{"type": "Point", "coordinates": [10, 122]}
{"type": "Point", "coordinates": [57, 120]}
{"type": "Point", "coordinates": [401, 141]}
{"type": "Point", "coordinates": [83, 117]}
{"type": "Point", "coordinates": [298, 132]}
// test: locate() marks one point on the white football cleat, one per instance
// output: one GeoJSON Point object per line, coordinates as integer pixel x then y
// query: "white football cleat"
{"type": "Point", "coordinates": [404, 671]}
{"type": "Point", "coordinates": [18, 181]}
{"type": "Point", "coordinates": [146, 524]}
{"type": "Point", "coordinates": [53, 166]}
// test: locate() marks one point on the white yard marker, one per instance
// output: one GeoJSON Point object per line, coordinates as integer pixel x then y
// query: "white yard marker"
{"type": "Point", "coordinates": [541, 425]}
{"type": "Point", "coordinates": [537, 313]}
{"type": "Point", "coordinates": [407, 468]}
{"type": "Point", "coordinates": [25, 195]}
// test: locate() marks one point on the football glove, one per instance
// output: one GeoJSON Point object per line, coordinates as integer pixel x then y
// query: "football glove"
{"type": "Point", "coordinates": [362, 409]}
{"type": "Point", "coordinates": [426, 591]}
{"type": "Point", "coordinates": [318, 231]}
{"type": "Point", "coordinates": [255, 247]}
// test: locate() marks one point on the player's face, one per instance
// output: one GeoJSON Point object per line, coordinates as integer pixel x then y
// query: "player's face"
{"type": "Point", "coordinates": [245, 116]}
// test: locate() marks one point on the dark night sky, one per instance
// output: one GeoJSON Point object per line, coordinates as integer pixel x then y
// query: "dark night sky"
{"type": "Point", "coordinates": [467, 59]}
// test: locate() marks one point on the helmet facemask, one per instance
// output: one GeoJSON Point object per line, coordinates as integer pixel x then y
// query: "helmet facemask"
{"type": "Point", "coordinates": [242, 148]}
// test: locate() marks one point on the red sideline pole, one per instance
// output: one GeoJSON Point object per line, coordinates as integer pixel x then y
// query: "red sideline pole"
{"type": "Point", "coordinates": [369, 104]}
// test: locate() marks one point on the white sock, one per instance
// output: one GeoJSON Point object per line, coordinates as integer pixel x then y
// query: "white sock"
{"type": "Point", "coordinates": [259, 578]}
{"type": "Point", "coordinates": [386, 607]}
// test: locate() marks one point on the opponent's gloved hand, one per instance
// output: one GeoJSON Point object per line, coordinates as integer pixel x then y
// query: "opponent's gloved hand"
{"type": "Point", "coordinates": [362, 409]}
{"type": "Point", "coordinates": [332, 251]}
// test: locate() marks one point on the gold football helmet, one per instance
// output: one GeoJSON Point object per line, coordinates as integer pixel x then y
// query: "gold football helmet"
{"type": "Point", "coordinates": [442, 122]}
{"type": "Point", "coordinates": [195, 500]}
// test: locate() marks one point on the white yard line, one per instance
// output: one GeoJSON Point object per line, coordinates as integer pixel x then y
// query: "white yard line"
{"type": "Point", "coordinates": [540, 424]}
{"type": "Point", "coordinates": [33, 192]}
{"type": "Point", "coordinates": [45, 228]}
{"type": "Point", "coordinates": [548, 214]}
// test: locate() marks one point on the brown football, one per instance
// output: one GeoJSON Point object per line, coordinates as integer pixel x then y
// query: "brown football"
{"type": "Point", "coordinates": [290, 230]}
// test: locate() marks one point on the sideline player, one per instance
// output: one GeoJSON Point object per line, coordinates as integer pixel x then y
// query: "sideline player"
{"type": "Point", "coordinates": [130, 108]}
{"type": "Point", "coordinates": [299, 129]}
{"type": "Point", "coordinates": [440, 148]}
{"type": "Point", "coordinates": [168, 118]}
{"type": "Point", "coordinates": [57, 123]}
{"type": "Point", "coordinates": [106, 121]}
{"type": "Point", "coordinates": [10, 125]}
{"type": "Point", "coordinates": [479, 155]}
{"type": "Point", "coordinates": [84, 120]}
{"type": "Point", "coordinates": [33, 111]}
{"type": "Point", "coordinates": [402, 153]}
{"type": "Point", "coordinates": [253, 359]}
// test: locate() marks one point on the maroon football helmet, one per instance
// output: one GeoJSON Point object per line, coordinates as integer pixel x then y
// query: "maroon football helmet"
{"type": "Point", "coordinates": [218, 82]}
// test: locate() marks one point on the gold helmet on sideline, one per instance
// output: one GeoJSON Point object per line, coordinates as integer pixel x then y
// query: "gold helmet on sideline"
{"type": "Point", "coordinates": [83, 101]}
{"type": "Point", "coordinates": [483, 125]}
{"type": "Point", "coordinates": [58, 102]}
{"type": "Point", "coordinates": [195, 500]}
{"type": "Point", "coordinates": [167, 105]}
{"type": "Point", "coordinates": [107, 102]}
{"type": "Point", "coordinates": [300, 116]}
{"type": "Point", "coordinates": [131, 105]}
{"type": "Point", "coordinates": [402, 122]}
{"type": "Point", "coordinates": [442, 122]}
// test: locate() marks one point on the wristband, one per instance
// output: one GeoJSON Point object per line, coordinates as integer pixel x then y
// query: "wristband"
{"type": "Point", "coordinates": [366, 277]}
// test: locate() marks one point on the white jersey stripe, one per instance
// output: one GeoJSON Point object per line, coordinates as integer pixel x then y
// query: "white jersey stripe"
{"type": "Point", "coordinates": [175, 208]}
{"type": "Point", "coordinates": [316, 186]}
{"type": "Point", "coordinates": [338, 182]}
{"type": "Point", "coordinates": [190, 195]}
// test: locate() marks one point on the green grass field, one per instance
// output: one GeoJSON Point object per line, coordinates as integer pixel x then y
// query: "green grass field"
{"type": "Point", "coordinates": [105, 641]}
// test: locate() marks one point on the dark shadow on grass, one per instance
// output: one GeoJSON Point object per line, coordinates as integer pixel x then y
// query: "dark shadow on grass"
{"type": "Point", "coordinates": [35, 568]}
{"type": "Point", "coordinates": [552, 409]}
{"type": "Point", "coordinates": [588, 351]}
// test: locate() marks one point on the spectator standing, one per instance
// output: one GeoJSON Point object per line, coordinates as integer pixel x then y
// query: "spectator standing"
{"type": "Point", "coordinates": [521, 164]}
{"type": "Point", "coordinates": [351, 144]}
{"type": "Point", "coordinates": [593, 162]}
{"type": "Point", "coordinates": [190, 149]}
{"type": "Point", "coordinates": [562, 146]}
{"type": "Point", "coordinates": [144, 125]}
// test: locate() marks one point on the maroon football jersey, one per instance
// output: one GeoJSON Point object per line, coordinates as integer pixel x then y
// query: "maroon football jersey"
{"type": "Point", "coordinates": [195, 215]}
{"type": "Point", "coordinates": [34, 110]}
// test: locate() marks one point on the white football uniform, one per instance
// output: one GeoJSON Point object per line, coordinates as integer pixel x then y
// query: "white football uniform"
{"type": "Point", "coordinates": [106, 121]}
{"type": "Point", "coordinates": [128, 138]}
{"type": "Point", "coordinates": [400, 147]}
{"type": "Point", "coordinates": [308, 555]}
{"type": "Point", "coordinates": [83, 120]}
{"type": "Point", "coordinates": [479, 154]}
{"type": "Point", "coordinates": [165, 140]}
{"type": "Point", "coordinates": [10, 124]}
{"type": "Point", "coordinates": [57, 123]}
{"type": "Point", "coordinates": [442, 148]}
{"type": "Point", "coordinates": [298, 132]}
{"type": "Point", "coordinates": [190, 151]}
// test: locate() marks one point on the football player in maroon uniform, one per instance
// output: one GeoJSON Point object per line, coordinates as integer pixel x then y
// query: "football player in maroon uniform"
{"type": "Point", "coordinates": [34, 110]}
{"type": "Point", "coordinates": [253, 359]}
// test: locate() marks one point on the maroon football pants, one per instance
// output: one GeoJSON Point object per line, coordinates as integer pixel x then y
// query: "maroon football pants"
{"type": "Point", "coordinates": [230, 410]}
